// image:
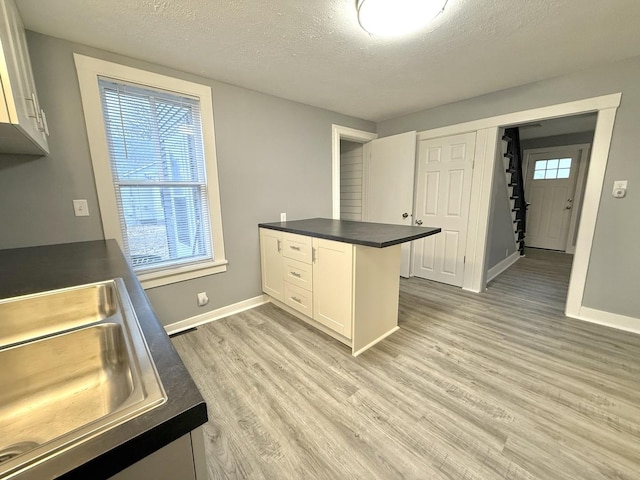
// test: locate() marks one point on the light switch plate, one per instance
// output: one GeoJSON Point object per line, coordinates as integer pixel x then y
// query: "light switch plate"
{"type": "Point", "coordinates": [81, 208]}
{"type": "Point", "coordinates": [619, 189]}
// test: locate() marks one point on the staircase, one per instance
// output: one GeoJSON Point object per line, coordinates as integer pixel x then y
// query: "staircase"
{"type": "Point", "coordinates": [515, 184]}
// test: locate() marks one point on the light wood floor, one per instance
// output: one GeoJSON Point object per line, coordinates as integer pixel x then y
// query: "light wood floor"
{"type": "Point", "coordinates": [492, 386]}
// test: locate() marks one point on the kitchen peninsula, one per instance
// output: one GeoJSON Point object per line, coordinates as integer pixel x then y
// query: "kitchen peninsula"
{"type": "Point", "coordinates": [342, 277]}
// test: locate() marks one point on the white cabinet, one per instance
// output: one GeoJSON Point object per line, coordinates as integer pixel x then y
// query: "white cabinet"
{"type": "Point", "coordinates": [333, 285]}
{"type": "Point", "coordinates": [23, 124]}
{"type": "Point", "coordinates": [271, 263]}
{"type": "Point", "coordinates": [348, 291]}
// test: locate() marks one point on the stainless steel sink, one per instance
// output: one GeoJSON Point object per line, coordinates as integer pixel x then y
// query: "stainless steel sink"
{"type": "Point", "coordinates": [73, 363]}
{"type": "Point", "coordinates": [34, 316]}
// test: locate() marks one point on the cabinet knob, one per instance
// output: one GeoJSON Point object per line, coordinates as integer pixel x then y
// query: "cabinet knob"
{"type": "Point", "coordinates": [405, 215]}
{"type": "Point", "coordinates": [418, 222]}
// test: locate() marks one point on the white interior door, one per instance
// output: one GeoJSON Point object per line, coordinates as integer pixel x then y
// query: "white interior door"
{"type": "Point", "coordinates": [443, 191]}
{"type": "Point", "coordinates": [549, 189]}
{"type": "Point", "coordinates": [388, 178]}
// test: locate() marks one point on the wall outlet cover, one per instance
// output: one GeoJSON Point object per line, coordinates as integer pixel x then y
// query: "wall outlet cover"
{"type": "Point", "coordinates": [203, 299]}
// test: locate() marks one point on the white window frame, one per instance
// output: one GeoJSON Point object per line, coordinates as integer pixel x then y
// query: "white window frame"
{"type": "Point", "coordinates": [88, 70]}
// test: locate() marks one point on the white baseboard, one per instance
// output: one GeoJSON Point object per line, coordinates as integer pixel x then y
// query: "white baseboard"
{"type": "Point", "coordinates": [377, 340]}
{"type": "Point", "coordinates": [217, 314]}
{"type": "Point", "coordinates": [502, 265]}
{"type": "Point", "coordinates": [621, 322]}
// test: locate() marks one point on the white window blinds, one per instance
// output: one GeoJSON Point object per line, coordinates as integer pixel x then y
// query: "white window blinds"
{"type": "Point", "coordinates": [154, 139]}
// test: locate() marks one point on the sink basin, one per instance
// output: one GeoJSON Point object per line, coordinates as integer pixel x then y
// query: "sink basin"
{"type": "Point", "coordinates": [34, 316]}
{"type": "Point", "coordinates": [74, 365]}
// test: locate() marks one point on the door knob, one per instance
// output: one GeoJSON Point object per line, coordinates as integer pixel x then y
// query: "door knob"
{"type": "Point", "coordinates": [418, 222]}
{"type": "Point", "coordinates": [405, 215]}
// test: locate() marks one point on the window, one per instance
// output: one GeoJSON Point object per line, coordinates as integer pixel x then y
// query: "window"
{"type": "Point", "coordinates": [153, 152]}
{"type": "Point", "coordinates": [552, 169]}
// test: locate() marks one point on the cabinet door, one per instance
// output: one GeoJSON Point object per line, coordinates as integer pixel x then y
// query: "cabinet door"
{"type": "Point", "coordinates": [271, 263]}
{"type": "Point", "coordinates": [333, 285]}
{"type": "Point", "coordinates": [17, 77]}
{"type": "Point", "coordinates": [169, 463]}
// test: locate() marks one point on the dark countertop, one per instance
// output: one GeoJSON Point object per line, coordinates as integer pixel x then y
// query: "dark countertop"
{"type": "Point", "coordinates": [377, 235]}
{"type": "Point", "coordinates": [35, 269]}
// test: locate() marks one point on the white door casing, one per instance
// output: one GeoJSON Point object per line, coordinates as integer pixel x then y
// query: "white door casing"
{"type": "Point", "coordinates": [551, 199]}
{"type": "Point", "coordinates": [443, 191]}
{"type": "Point", "coordinates": [389, 170]}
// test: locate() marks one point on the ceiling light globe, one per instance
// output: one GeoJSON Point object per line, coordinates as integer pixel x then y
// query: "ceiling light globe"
{"type": "Point", "coordinates": [397, 17]}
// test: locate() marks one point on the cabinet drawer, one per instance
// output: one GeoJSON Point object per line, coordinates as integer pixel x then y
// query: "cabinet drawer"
{"type": "Point", "coordinates": [298, 298]}
{"type": "Point", "coordinates": [298, 273]}
{"type": "Point", "coordinates": [297, 247]}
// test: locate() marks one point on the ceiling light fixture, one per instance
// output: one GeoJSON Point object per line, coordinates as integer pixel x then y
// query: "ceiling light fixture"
{"type": "Point", "coordinates": [396, 17]}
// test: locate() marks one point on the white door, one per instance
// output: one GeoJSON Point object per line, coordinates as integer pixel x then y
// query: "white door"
{"type": "Point", "coordinates": [549, 189]}
{"type": "Point", "coordinates": [388, 179]}
{"type": "Point", "coordinates": [443, 190]}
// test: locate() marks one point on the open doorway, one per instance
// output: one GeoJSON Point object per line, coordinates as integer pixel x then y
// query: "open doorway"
{"type": "Point", "coordinates": [345, 142]}
{"type": "Point", "coordinates": [351, 180]}
{"type": "Point", "coordinates": [537, 197]}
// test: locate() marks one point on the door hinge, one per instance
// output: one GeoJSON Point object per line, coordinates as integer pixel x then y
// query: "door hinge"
{"type": "Point", "coordinates": [464, 260]}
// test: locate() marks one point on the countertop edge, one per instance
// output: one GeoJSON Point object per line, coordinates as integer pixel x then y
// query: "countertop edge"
{"type": "Point", "coordinates": [355, 241]}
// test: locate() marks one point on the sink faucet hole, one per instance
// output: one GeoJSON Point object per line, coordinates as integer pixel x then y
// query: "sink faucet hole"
{"type": "Point", "coordinates": [16, 449]}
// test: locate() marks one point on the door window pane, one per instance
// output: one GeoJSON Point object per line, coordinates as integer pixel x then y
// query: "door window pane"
{"type": "Point", "coordinates": [555, 168]}
{"type": "Point", "coordinates": [565, 163]}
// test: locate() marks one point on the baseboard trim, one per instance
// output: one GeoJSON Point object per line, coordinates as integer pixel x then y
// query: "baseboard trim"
{"type": "Point", "coordinates": [311, 321]}
{"type": "Point", "coordinates": [217, 314]}
{"type": "Point", "coordinates": [502, 265]}
{"type": "Point", "coordinates": [377, 340]}
{"type": "Point", "coordinates": [608, 319]}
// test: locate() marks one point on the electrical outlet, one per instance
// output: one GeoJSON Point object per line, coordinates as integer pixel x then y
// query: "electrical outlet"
{"type": "Point", "coordinates": [202, 299]}
{"type": "Point", "coordinates": [283, 217]}
{"type": "Point", "coordinates": [80, 208]}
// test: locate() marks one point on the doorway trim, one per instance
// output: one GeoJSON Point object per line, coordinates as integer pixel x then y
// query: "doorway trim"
{"type": "Point", "coordinates": [606, 107]}
{"type": "Point", "coordinates": [338, 132]}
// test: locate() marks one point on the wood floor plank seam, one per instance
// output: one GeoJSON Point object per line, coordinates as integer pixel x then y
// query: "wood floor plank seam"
{"type": "Point", "coordinates": [498, 385]}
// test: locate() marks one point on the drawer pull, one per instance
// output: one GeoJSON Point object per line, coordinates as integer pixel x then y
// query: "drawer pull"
{"type": "Point", "coordinates": [296, 274]}
{"type": "Point", "coordinates": [296, 299]}
{"type": "Point", "coordinates": [293, 247]}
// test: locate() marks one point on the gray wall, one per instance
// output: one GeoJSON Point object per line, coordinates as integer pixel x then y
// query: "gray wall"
{"type": "Point", "coordinates": [501, 240]}
{"type": "Point", "coordinates": [558, 140]}
{"type": "Point", "coordinates": [614, 269]}
{"type": "Point", "coordinates": [273, 156]}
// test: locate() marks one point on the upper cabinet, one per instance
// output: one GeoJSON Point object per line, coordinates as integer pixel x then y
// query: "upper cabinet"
{"type": "Point", "coordinates": [23, 124]}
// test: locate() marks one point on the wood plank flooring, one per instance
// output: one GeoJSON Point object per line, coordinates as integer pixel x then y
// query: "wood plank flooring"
{"type": "Point", "coordinates": [498, 385]}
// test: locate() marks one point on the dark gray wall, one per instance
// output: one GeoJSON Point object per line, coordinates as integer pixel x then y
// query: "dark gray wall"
{"type": "Point", "coordinates": [501, 240]}
{"type": "Point", "coordinates": [273, 156]}
{"type": "Point", "coordinates": [614, 269]}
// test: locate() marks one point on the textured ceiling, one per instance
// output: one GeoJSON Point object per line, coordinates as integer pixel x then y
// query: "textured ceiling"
{"type": "Point", "coordinates": [313, 51]}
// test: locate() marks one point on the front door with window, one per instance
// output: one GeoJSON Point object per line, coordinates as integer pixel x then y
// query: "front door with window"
{"type": "Point", "coordinates": [549, 190]}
